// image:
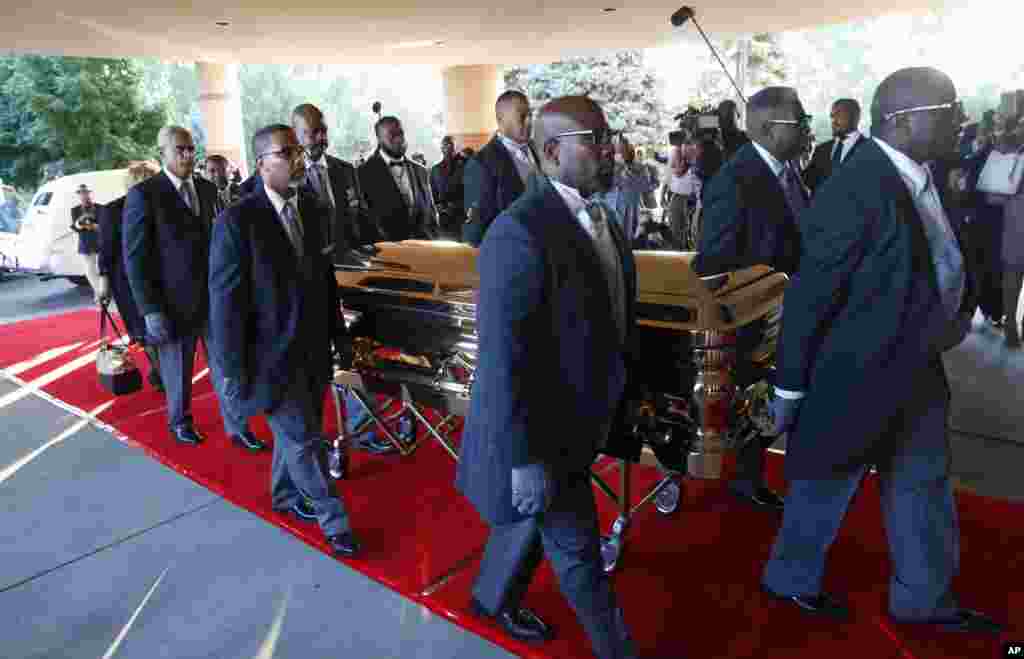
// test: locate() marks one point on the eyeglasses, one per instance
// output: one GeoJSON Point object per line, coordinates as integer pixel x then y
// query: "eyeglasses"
{"type": "Point", "coordinates": [288, 153]}
{"type": "Point", "coordinates": [599, 136]}
{"type": "Point", "coordinates": [957, 105]}
{"type": "Point", "coordinates": [803, 121]}
{"type": "Point", "coordinates": [185, 150]}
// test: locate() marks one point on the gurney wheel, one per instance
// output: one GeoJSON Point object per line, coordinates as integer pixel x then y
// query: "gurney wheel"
{"type": "Point", "coordinates": [667, 500]}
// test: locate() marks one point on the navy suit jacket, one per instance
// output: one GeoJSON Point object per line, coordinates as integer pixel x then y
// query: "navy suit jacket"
{"type": "Point", "coordinates": [861, 320]}
{"type": "Point", "coordinates": [746, 220]}
{"type": "Point", "coordinates": [820, 167]}
{"type": "Point", "coordinates": [271, 313]}
{"type": "Point", "coordinates": [552, 366]}
{"type": "Point", "coordinates": [492, 183]}
{"type": "Point", "coordinates": [389, 217]}
{"type": "Point", "coordinates": [167, 251]}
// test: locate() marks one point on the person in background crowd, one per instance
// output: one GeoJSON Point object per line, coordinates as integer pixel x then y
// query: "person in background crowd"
{"type": "Point", "coordinates": [829, 156]}
{"type": "Point", "coordinates": [497, 175]}
{"type": "Point", "coordinates": [1012, 243]}
{"type": "Point", "coordinates": [446, 181]}
{"type": "Point", "coordinates": [217, 173]}
{"type": "Point", "coordinates": [274, 314]}
{"type": "Point", "coordinates": [468, 152]}
{"type": "Point", "coordinates": [985, 229]}
{"type": "Point", "coordinates": [334, 181]}
{"type": "Point", "coordinates": [650, 199]}
{"type": "Point", "coordinates": [732, 137]}
{"type": "Point", "coordinates": [111, 263]}
{"type": "Point", "coordinates": [532, 486]}
{"type": "Point", "coordinates": [750, 215]}
{"type": "Point", "coordinates": [632, 182]}
{"type": "Point", "coordinates": [875, 362]}
{"type": "Point", "coordinates": [682, 189]}
{"type": "Point", "coordinates": [83, 222]}
{"type": "Point", "coordinates": [397, 190]}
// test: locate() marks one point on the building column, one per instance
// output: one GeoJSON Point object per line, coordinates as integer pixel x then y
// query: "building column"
{"type": "Point", "coordinates": [220, 104]}
{"type": "Point", "coordinates": [470, 92]}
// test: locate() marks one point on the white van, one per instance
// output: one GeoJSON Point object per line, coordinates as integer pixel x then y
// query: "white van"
{"type": "Point", "coordinates": [46, 244]}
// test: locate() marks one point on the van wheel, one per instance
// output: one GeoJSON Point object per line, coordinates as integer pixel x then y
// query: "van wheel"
{"type": "Point", "coordinates": [79, 280]}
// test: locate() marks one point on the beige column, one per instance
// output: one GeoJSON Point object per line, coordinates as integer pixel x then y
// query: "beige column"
{"type": "Point", "coordinates": [220, 104]}
{"type": "Point", "coordinates": [470, 92]}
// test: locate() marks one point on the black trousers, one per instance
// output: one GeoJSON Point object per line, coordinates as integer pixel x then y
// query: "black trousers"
{"type": "Point", "coordinates": [568, 534]}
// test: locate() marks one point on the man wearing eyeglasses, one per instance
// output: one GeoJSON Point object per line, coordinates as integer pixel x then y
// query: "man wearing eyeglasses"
{"type": "Point", "coordinates": [881, 292]}
{"type": "Point", "coordinates": [398, 195]}
{"type": "Point", "coordinates": [274, 314]}
{"type": "Point", "coordinates": [750, 217]}
{"type": "Point", "coordinates": [497, 175]}
{"type": "Point", "coordinates": [557, 287]}
{"type": "Point", "coordinates": [166, 235]}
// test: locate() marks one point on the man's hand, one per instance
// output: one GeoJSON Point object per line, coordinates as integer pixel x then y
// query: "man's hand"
{"type": "Point", "coordinates": [158, 329]}
{"type": "Point", "coordinates": [233, 389]}
{"type": "Point", "coordinates": [532, 489]}
{"type": "Point", "coordinates": [784, 412]}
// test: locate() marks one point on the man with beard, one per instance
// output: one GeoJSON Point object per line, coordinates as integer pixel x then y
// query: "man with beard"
{"type": "Point", "coordinates": [397, 189]}
{"type": "Point", "coordinates": [497, 175]}
{"type": "Point", "coordinates": [446, 182]}
{"type": "Point", "coordinates": [828, 156]}
{"type": "Point", "coordinates": [217, 173]}
{"type": "Point", "coordinates": [334, 181]}
{"type": "Point", "coordinates": [553, 263]}
{"type": "Point", "coordinates": [882, 291]}
{"type": "Point", "coordinates": [274, 314]}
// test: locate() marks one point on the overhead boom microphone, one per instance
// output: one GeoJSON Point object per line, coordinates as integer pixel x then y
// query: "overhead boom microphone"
{"type": "Point", "coordinates": [684, 14]}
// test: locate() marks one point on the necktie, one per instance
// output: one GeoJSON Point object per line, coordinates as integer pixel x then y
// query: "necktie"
{"type": "Point", "coordinates": [598, 218]}
{"type": "Point", "coordinates": [188, 195]}
{"type": "Point", "coordinates": [837, 155]}
{"type": "Point", "coordinates": [791, 187]}
{"type": "Point", "coordinates": [292, 227]}
{"type": "Point", "coordinates": [316, 180]}
{"type": "Point", "coordinates": [946, 256]}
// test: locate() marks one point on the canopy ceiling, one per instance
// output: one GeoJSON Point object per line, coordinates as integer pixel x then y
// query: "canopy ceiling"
{"type": "Point", "coordinates": [394, 31]}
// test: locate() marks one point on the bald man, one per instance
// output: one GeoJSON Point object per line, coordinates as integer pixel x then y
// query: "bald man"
{"type": "Point", "coordinates": [882, 291]}
{"type": "Point", "coordinates": [751, 207]}
{"type": "Point", "coordinates": [497, 176]}
{"type": "Point", "coordinates": [545, 390]}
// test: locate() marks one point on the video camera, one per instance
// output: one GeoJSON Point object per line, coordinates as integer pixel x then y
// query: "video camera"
{"type": "Point", "coordinates": [696, 124]}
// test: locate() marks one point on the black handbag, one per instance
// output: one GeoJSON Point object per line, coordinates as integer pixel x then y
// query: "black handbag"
{"type": "Point", "coordinates": [114, 364]}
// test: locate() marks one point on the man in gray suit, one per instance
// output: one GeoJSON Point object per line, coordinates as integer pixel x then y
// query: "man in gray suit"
{"type": "Point", "coordinates": [557, 285]}
{"type": "Point", "coordinates": [860, 378]}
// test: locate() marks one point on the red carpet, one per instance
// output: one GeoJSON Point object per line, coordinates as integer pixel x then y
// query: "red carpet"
{"type": "Point", "coordinates": [688, 582]}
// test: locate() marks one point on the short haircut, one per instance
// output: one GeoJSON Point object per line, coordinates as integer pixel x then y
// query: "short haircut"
{"type": "Point", "coordinates": [307, 111]}
{"type": "Point", "coordinates": [850, 105]}
{"type": "Point", "coordinates": [508, 97]}
{"type": "Point", "coordinates": [907, 88]}
{"type": "Point", "coordinates": [167, 134]}
{"type": "Point", "coordinates": [384, 121]}
{"type": "Point", "coordinates": [448, 138]}
{"type": "Point", "coordinates": [264, 136]}
{"type": "Point", "coordinates": [770, 98]}
{"type": "Point", "coordinates": [216, 158]}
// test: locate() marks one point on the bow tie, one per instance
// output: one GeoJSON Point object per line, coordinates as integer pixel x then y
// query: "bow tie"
{"type": "Point", "coordinates": [397, 163]}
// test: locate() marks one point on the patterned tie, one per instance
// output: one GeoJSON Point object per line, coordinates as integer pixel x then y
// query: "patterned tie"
{"type": "Point", "coordinates": [316, 180]}
{"type": "Point", "coordinates": [791, 187]}
{"type": "Point", "coordinates": [187, 195]}
{"type": "Point", "coordinates": [293, 227]}
{"type": "Point", "coordinates": [598, 218]}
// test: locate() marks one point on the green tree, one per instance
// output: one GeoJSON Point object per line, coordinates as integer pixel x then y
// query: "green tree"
{"type": "Point", "coordinates": [86, 114]}
{"type": "Point", "coordinates": [629, 91]}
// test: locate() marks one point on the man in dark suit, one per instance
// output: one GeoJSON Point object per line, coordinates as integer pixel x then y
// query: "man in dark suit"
{"type": "Point", "coordinates": [497, 175]}
{"type": "Point", "coordinates": [83, 222]}
{"type": "Point", "coordinates": [446, 181]}
{"type": "Point", "coordinates": [274, 315]}
{"type": "Point", "coordinates": [334, 181]}
{"type": "Point", "coordinates": [829, 156]}
{"type": "Point", "coordinates": [860, 378]}
{"type": "Point", "coordinates": [217, 173]}
{"type": "Point", "coordinates": [750, 217]}
{"type": "Point", "coordinates": [167, 223]}
{"type": "Point", "coordinates": [401, 205]}
{"type": "Point", "coordinates": [557, 287]}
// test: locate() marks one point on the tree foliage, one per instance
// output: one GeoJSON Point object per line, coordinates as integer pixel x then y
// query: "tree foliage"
{"type": "Point", "coordinates": [629, 91]}
{"type": "Point", "coordinates": [71, 115]}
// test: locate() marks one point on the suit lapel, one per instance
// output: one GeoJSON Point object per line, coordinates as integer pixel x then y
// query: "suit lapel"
{"type": "Point", "coordinates": [757, 171]}
{"type": "Point", "coordinates": [172, 192]}
{"type": "Point", "coordinates": [388, 181]}
{"type": "Point", "coordinates": [509, 172]}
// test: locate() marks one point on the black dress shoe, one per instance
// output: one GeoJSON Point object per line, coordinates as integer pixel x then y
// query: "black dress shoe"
{"type": "Point", "coordinates": [761, 498]}
{"type": "Point", "coordinates": [964, 621]}
{"type": "Point", "coordinates": [519, 623]}
{"type": "Point", "coordinates": [249, 441]}
{"type": "Point", "coordinates": [344, 544]}
{"type": "Point", "coordinates": [823, 604]}
{"type": "Point", "coordinates": [303, 510]}
{"type": "Point", "coordinates": [188, 435]}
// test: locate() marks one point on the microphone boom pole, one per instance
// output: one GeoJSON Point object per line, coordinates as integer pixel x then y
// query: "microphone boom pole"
{"type": "Point", "coordinates": [684, 14]}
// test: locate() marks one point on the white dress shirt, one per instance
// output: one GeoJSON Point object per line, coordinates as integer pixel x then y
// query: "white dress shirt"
{"type": "Point", "coordinates": [773, 163]}
{"type": "Point", "coordinates": [325, 177]}
{"type": "Point", "coordinates": [279, 202]}
{"type": "Point", "coordinates": [604, 243]}
{"type": "Point", "coordinates": [402, 178]}
{"type": "Point", "coordinates": [521, 156]}
{"type": "Point", "coordinates": [846, 144]}
{"type": "Point", "coordinates": [193, 196]}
